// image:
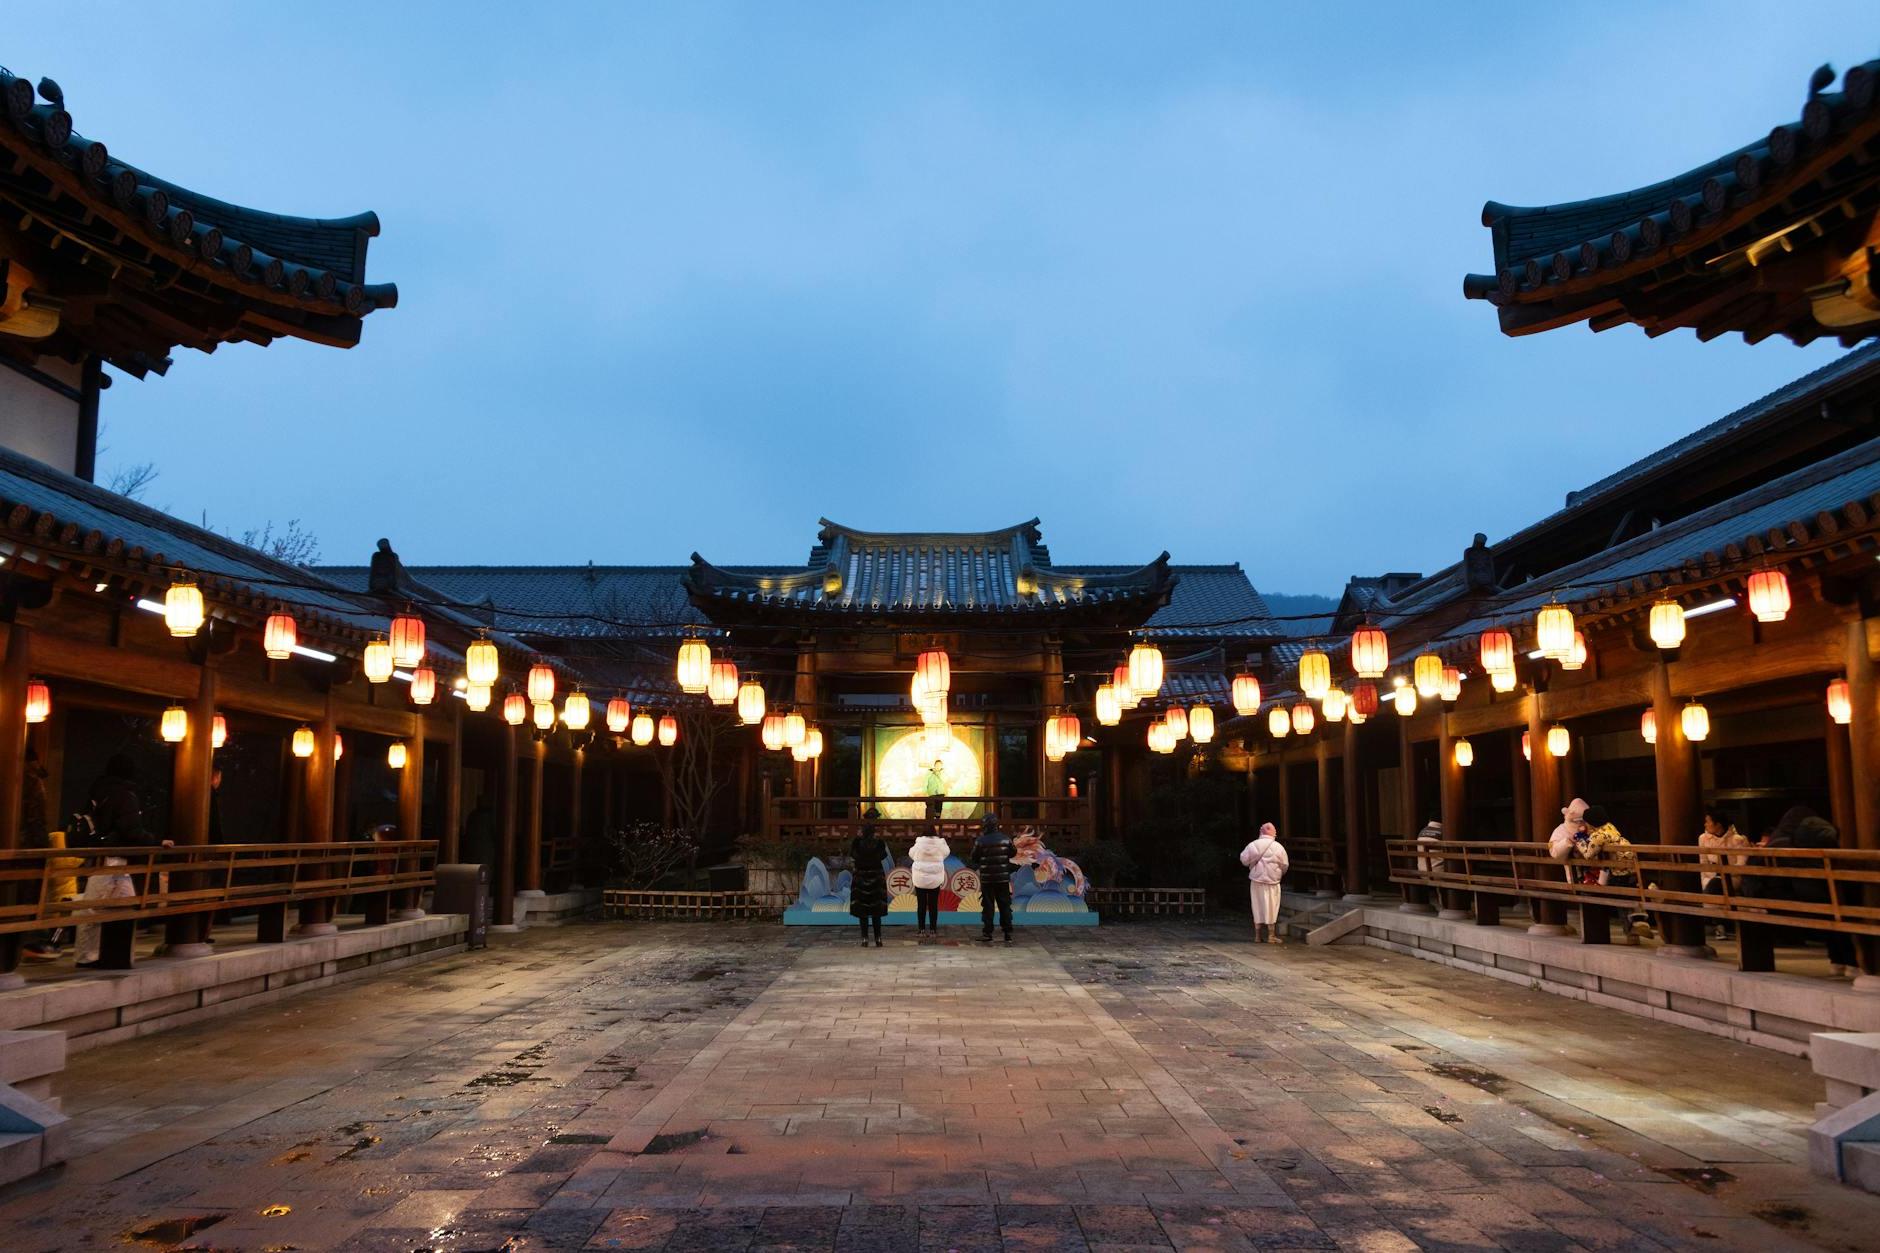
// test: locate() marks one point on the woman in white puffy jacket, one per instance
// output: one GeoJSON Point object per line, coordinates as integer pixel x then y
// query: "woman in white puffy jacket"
{"type": "Point", "coordinates": [929, 856]}
{"type": "Point", "coordinates": [1266, 862]}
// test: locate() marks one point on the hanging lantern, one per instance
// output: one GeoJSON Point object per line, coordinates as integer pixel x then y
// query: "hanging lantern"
{"type": "Point", "coordinates": [669, 734]}
{"type": "Point", "coordinates": [642, 729]}
{"type": "Point", "coordinates": [1335, 705]}
{"type": "Point", "coordinates": [183, 610]}
{"type": "Point", "coordinates": [544, 715]}
{"type": "Point", "coordinates": [1451, 688]}
{"type": "Point", "coordinates": [1575, 659]}
{"type": "Point", "coordinates": [376, 661]}
{"type": "Point", "coordinates": [1303, 718]}
{"type": "Point", "coordinates": [476, 698]}
{"type": "Point", "coordinates": [576, 711]}
{"type": "Point", "coordinates": [1405, 700]}
{"type": "Point", "coordinates": [1126, 696]}
{"type": "Point", "coordinates": [750, 702]}
{"type": "Point", "coordinates": [722, 687]}
{"type": "Point", "coordinates": [1648, 726]}
{"type": "Point", "coordinates": [935, 741]}
{"type": "Point", "coordinates": [1201, 724]}
{"type": "Point", "coordinates": [396, 755]}
{"type": "Point", "coordinates": [1370, 652]}
{"type": "Point", "coordinates": [339, 746]}
{"type": "Point", "coordinates": [1498, 651]}
{"type": "Point", "coordinates": [541, 684]}
{"type": "Point", "coordinates": [935, 670]}
{"type": "Point", "coordinates": [38, 701]}
{"type": "Point", "coordinates": [1177, 719]}
{"type": "Point", "coordinates": [1667, 624]}
{"type": "Point", "coordinates": [1246, 694]}
{"type": "Point", "coordinates": [1156, 734]}
{"type": "Point", "coordinates": [1696, 722]}
{"type": "Point", "coordinates": [1427, 673]}
{"type": "Point", "coordinates": [772, 732]}
{"type": "Point", "coordinates": [408, 641]}
{"type": "Point", "coordinates": [1364, 701]}
{"type": "Point", "coordinates": [695, 666]}
{"type": "Point", "coordinates": [1054, 749]}
{"type": "Point", "coordinates": [303, 742]}
{"type": "Point", "coordinates": [1277, 721]}
{"type": "Point", "coordinates": [1559, 740]}
{"type": "Point", "coordinates": [480, 663]}
{"type": "Point", "coordinates": [1769, 595]}
{"type": "Point", "coordinates": [515, 709]}
{"type": "Point", "coordinates": [1315, 674]}
{"type": "Point", "coordinates": [279, 636]}
{"type": "Point", "coordinates": [1840, 701]}
{"type": "Point", "coordinates": [1145, 669]}
{"type": "Point", "coordinates": [423, 685]}
{"type": "Point", "coordinates": [1069, 731]}
{"type": "Point", "coordinates": [1465, 754]}
{"type": "Point", "coordinates": [1501, 680]}
{"type": "Point", "coordinates": [1527, 749]}
{"type": "Point", "coordinates": [619, 715]}
{"type": "Point", "coordinates": [1354, 717]}
{"type": "Point", "coordinates": [1109, 709]}
{"type": "Point", "coordinates": [933, 709]}
{"type": "Point", "coordinates": [1553, 631]}
{"type": "Point", "coordinates": [218, 731]}
{"type": "Point", "coordinates": [794, 730]}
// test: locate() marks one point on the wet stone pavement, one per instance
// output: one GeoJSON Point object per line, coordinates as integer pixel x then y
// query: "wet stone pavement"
{"type": "Point", "coordinates": [744, 1086]}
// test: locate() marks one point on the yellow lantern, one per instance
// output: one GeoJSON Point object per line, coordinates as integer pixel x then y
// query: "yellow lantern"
{"type": "Point", "coordinates": [1465, 754]}
{"type": "Point", "coordinates": [1553, 631]}
{"type": "Point", "coordinates": [339, 746]}
{"type": "Point", "coordinates": [541, 684]}
{"type": "Point", "coordinates": [1126, 696]}
{"type": "Point", "coordinates": [1696, 722]}
{"type": "Point", "coordinates": [423, 685]}
{"type": "Point", "coordinates": [1315, 674]}
{"type": "Point", "coordinates": [544, 715]}
{"type": "Point", "coordinates": [1177, 719]}
{"type": "Point", "coordinates": [183, 610]}
{"type": "Point", "coordinates": [480, 663]}
{"type": "Point", "coordinates": [619, 715]}
{"type": "Point", "coordinates": [1428, 675]}
{"type": "Point", "coordinates": [695, 666]}
{"type": "Point", "coordinates": [1648, 726]}
{"type": "Point", "coordinates": [515, 709]}
{"type": "Point", "coordinates": [218, 731]}
{"type": "Point", "coordinates": [279, 636]}
{"type": "Point", "coordinates": [1277, 722]}
{"type": "Point", "coordinates": [376, 661]}
{"type": "Point", "coordinates": [795, 730]}
{"type": "Point", "coordinates": [1303, 718]}
{"type": "Point", "coordinates": [750, 702]}
{"type": "Point", "coordinates": [1451, 689]}
{"type": "Point", "coordinates": [1501, 680]}
{"type": "Point", "coordinates": [1157, 732]}
{"type": "Point", "coordinates": [1354, 714]}
{"type": "Point", "coordinates": [396, 755]}
{"type": "Point", "coordinates": [935, 670]}
{"type": "Point", "coordinates": [38, 701]}
{"type": "Point", "coordinates": [669, 734]}
{"type": "Point", "coordinates": [1527, 749]}
{"type": "Point", "coordinates": [1246, 694]}
{"type": "Point", "coordinates": [642, 729]}
{"type": "Point", "coordinates": [1667, 624]}
{"type": "Point", "coordinates": [174, 727]}
{"type": "Point", "coordinates": [1497, 651]}
{"type": "Point", "coordinates": [722, 686]}
{"type": "Point", "coordinates": [1145, 669]}
{"type": "Point", "coordinates": [1559, 740]}
{"type": "Point", "coordinates": [1335, 705]}
{"type": "Point", "coordinates": [1769, 595]}
{"type": "Point", "coordinates": [1201, 724]}
{"type": "Point", "coordinates": [1575, 659]}
{"type": "Point", "coordinates": [408, 640]}
{"type": "Point", "coordinates": [576, 711]}
{"type": "Point", "coordinates": [476, 698]}
{"type": "Point", "coordinates": [1405, 700]}
{"type": "Point", "coordinates": [303, 742]}
{"type": "Point", "coordinates": [1840, 701]}
{"type": "Point", "coordinates": [772, 732]}
{"type": "Point", "coordinates": [1109, 709]}
{"type": "Point", "coordinates": [1370, 652]}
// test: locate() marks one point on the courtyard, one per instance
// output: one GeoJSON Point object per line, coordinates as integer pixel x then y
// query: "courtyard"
{"type": "Point", "coordinates": [734, 1086]}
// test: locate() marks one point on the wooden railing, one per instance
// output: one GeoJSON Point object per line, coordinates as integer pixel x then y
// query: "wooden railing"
{"type": "Point", "coordinates": [1147, 902]}
{"type": "Point", "coordinates": [667, 906]}
{"type": "Point", "coordinates": [1064, 822]}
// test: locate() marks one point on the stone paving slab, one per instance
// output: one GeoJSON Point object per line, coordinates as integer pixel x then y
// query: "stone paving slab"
{"type": "Point", "coordinates": [743, 1086]}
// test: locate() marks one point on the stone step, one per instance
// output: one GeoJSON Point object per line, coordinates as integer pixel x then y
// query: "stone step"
{"type": "Point", "coordinates": [1860, 1165]}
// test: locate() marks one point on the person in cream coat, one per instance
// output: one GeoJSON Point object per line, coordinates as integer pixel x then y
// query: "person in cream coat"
{"type": "Point", "coordinates": [929, 856]}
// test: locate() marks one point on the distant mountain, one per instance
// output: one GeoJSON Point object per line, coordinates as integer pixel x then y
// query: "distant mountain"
{"type": "Point", "coordinates": [1301, 613]}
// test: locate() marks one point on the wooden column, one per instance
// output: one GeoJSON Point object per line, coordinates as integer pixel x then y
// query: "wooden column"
{"type": "Point", "coordinates": [1523, 795]}
{"type": "Point", "coordinates": [1328, 834]}
{"type": "Point", "coordinates": [608, 771]}
{"type": "Point", "coordinates": [1416, 897]}
{"type": "Point", "coordinates": [193, 764]}
{"type": "Point", "coordinates": [1863, 741]}
{"type": "Point", "coordinates": [503, 908]}
{"type": "Point", "coordinates": [576, 762]}
{"type": "Point", "coordinates": [1357, 871]}
{"type": "Point", "coordinates": [1680, 817]}
{"type": "Point", "coordinates": [1285, 824]}
{"type": "Point", "coordinates": [15, 672]}
{"type": "Point", "coordinates": [1452, 800]}
{"type": "Point", "coordinates": [449, 847]}
{"type": "Point", "coordinates": [531, 868]}
{"type": "Point", "coordinates": [1545, 797]}
{"type": "Point", "coordinates": [411, 810]}
{"type": "Point", "coordinates": [316, 813]}
{"type": "Point", "coordinates": [805, 699]}
{"type": "Point", "coordinates": [1051, 696]}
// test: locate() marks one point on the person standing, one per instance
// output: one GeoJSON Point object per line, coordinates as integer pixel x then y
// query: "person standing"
{"type": "Point", "coordinates": [1719, 833]}
{"type": "Point", "coordinates": [116, 820]}
{"type": "Point", "coordinates": [1266, 862]}
{"type": "Point", "coordinates": [929, 856]}
{"type": "Point", "coordinates": [868, 881]}
{"type": "Point", "coordinates": [936, 789]}
{"type": "Point", "coordinates": [992, 858]}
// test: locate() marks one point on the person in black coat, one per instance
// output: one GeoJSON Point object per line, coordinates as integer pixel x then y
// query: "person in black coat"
{"type": "Point", "coordinates": [1802, 827]}
{"type": "Point", "coordinates": [992, 859]}
{"type": "Point", "coordinates": [868, 882]}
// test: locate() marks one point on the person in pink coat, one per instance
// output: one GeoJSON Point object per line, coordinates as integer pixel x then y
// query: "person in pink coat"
{"type": "Point", "coordinates": [1266, 862]}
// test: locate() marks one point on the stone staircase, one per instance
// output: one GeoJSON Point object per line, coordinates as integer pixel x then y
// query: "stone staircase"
{"type": "Point", "coordinates": [32, 1130]}
{"type": "Point", "coordinates": [1301, 913]}
{"type": "Point", "coordinates": [1844, 1143]}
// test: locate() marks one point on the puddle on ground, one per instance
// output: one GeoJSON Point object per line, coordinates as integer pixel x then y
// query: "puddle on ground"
{"type": "Point", "coordinates": [1784, 1214]}
{"type": "Point", "coordinates": [576, 1138]}
{"type": "Point", "coordinates": [667, 1142]}
{"type": "Point", "coordinates": [168, 1231]}
{"type": "Point", "coordinates": [1487, 1080]}
{"type": "Point", "coordinates": [702, 976]}
{"type": "Point", "coordinates": [1441, 1115]}
{"type": "Point", "coordinates": [1703, 1178]}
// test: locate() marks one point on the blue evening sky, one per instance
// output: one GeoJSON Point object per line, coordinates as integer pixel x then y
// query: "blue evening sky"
{"type": "Point", "coordinates": [688, 276]}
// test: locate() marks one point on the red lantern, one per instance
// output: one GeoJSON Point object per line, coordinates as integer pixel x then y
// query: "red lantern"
{"type": "Point", "coordinates": [541, 684]}
{"type": "Point", "coordinates": [515, 709]}
{"type": "Point", "coordinates": [408, 640]}
{"type": "Point", "coordinates": [1246, 694]}
{"type": "Point", "coordinates": [1370, 652]}
{"type": "Point", "coordinates": [1498, 651]}
{"type": "Point", "coordinates": [1364, 699]}
{"type": "Point", "coordinates": [280, 636]}
{"type": "Point", "coordinates": [1648, 726]}
{"type": "Point", "coordinates": [619, 715]}
{"type": "Point", "coordinates": [1769, 595]}
{"type": "Point", "coordinates": [423, 685]}
{"type": "Point", "coordinates": [1840, 701]}
{"type": "Point", "coordinates": [38, 701]}
{"type": "Point", "coordinates": [935, 670]}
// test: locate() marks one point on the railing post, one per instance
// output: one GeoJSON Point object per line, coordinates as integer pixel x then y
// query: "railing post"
{"type": "Point", "coordinates": [1679, 817]}
{"type": "Point", "coordinates": [187, 935]}
{"type": "Point", "coordinates": [316, 827]}
{"type": "Point", "coordinates": [1542, 770]}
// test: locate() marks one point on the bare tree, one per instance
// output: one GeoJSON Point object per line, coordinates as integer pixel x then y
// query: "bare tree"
{"type": "Point", "coordinates": [293, 543]}
{"type": "Point", "coordinates": [645, 852]}
{"type": "Point", "coordinates": [132, 482]}
{"type": "Point", "coordinates": [689, 769]}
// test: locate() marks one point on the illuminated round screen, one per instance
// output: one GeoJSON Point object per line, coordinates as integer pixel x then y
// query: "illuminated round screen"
{"type": "Point", "coordinates": [902, 771]}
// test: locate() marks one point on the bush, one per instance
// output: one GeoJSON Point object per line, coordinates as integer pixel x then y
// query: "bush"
{"type": "Point", "coordinates": [1189, 835]}
{"type": "Point", "coordinates": [643, 853]}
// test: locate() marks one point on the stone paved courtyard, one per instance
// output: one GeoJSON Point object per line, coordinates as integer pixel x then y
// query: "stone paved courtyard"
{"type": "Point", "coordinates": [634, 1086]}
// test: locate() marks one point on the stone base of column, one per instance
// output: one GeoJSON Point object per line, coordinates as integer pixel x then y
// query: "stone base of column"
{"type": "Point", "coordinates": [1324, 894]}
{"type": "Point", "coordinates": [406, 915]}
{"type": "Point", "coordinates": [531, 892]}
{"type": "Point", "coordinates": [1866, 983]}
{"type": "Point", "coordinates": [12, 979]}
{"type": "Point", "coordinates": [1687, 951]}
{"type": "Point", "coordinates": [193, 949]}
{"type": "Point", "coordinates": [1361, 898]}
{"type": "Point", "coordinates": [1411, 907]}
{"type": "Point", "coordinates": [504, 927]}
{"type": "Point", "coordinates": [308, 929]}
{"type": "Point", "coordinates": [1456, 915]}
{"type": "Point", "coordinates": [1549, 928]}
